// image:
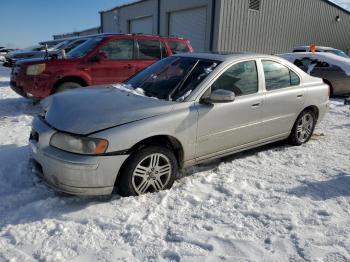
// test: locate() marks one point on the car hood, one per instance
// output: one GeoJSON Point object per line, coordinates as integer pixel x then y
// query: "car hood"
{"type": "Point", "coordinates": [87, 110]}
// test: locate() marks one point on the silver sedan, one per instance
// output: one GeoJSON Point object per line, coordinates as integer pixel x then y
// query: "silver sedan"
{"type": "Point", "coordinates": [181, 111]}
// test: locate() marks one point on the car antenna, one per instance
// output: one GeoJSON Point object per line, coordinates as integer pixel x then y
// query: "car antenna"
{"type": "Point", "coordinates": [63, 53]}
{"type": "Point", "coordinates": [46, 51]}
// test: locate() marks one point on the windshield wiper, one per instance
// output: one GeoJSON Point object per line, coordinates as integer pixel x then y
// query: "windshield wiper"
{"type": "Point", "coordinates": [179, 85]}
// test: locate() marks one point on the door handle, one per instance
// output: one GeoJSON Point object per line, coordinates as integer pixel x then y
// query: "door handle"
{"type": "Point", "coordinates": [256, 105]}
{"type": "Point", "coordinates": [300, 96]}
{"type": "Point", "coordinates": [129, 66]}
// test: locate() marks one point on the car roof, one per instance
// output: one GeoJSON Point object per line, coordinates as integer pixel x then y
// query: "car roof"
{"type": "Point", "coordinates": [222, 56]}
{"type": "Point", "coordinates": [334, 59]}
{"type": "Point", "coordinates": [140, 36]}
{"type": "Point", "coordinates": [317, 47]}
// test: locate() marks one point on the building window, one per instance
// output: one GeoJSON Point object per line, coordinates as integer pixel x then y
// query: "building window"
{"type": "Point", "coordinates": [254, 5]}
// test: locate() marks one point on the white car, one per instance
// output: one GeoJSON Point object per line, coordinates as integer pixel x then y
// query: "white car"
{"type": "Point", "coordinates": [333, 69]}
{"type": "Point", "coordinates": [321, 49]}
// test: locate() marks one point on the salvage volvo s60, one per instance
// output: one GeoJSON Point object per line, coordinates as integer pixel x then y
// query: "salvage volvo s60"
{"type": "Point", "coordinates": [183, 110]}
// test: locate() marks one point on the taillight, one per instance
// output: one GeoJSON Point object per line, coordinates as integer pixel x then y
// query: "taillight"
{"type": "Point", "coordinates": [329, 91]}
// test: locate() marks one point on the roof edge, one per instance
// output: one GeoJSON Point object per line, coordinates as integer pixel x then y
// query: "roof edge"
{"type": "Point", "coordinates": [139, 1]}
{"type": "Point", "coordinates": [337, 6]}
{"type": "Point", "coordinates": [121, 6]}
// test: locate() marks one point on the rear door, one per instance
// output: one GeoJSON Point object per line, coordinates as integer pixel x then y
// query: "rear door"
{"type": "Point", "coordinates": [117, 64]}
{"type": "Point", "coordinates": [284, 99]}
{"type": "Point", "coordinates": [148, 51]}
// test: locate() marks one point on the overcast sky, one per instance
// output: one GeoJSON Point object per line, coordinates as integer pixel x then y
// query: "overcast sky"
{"type": "Point", "coordinates": [26, 22]}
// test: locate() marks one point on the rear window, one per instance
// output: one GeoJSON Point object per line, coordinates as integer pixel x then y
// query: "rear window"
{"type": "Point", "coordinates": [278, 76]}
{"type": "Point", "coordinates": [178, 47]}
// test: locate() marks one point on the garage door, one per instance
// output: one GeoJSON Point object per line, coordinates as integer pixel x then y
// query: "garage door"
{"type": "Point", "coordinates": [142, 25]}
{"type": "Point", "coordinates": [190, 24]}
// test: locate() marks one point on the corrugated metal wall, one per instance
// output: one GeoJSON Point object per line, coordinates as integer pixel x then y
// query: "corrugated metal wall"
{"type": "Point", "coordinates": [280, 25]}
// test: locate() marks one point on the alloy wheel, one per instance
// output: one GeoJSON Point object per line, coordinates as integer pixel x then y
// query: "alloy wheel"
{"type": "Point", "coordinates": [305, 127]}
{"type": "Point", "coordinates": [151, 174]}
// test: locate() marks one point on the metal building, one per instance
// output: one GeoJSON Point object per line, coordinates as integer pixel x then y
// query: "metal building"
{"type": "Point", "coordinates": [266, 26]}
{"type": "Point", "coordinates": [90, 31]}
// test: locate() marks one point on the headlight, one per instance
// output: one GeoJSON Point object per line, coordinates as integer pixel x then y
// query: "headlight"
{"type": "Point", "coordinates": [78, 144]}
{"type": "Point", "coordinates": [34, 70]}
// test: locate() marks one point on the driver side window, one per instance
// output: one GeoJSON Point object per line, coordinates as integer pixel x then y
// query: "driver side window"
{"type": "Point", "coordinates": [241, 78]}
{"type": "Point", "coordinates": [120, 49]}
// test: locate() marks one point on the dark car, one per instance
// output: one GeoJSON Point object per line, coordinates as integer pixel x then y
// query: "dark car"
{"type": "Point", "coordinates": [332, 68]}
{"type": "Point", "coordinates": [103, 59]}
{"type": "Point", "coordinates": [43, 51]}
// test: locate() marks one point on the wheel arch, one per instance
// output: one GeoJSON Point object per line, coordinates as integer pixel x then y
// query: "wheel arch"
{"type": "Point", "coordinates": [75, 79]}
{"type": "Point", "coordinates": [312, 108]}
{"type": "Point", "coordinates": [162, 140]}
{"type": "Point", "coordinates": [168, 141]}
{"type": "Point", "coordinates": [326, 81]}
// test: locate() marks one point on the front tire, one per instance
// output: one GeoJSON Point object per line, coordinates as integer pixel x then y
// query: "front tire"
{"type": "Point", "coordinates": [150, 169]}
{"type": "Point", "coordinates": [303, 128]}
{"type": "Point", "coordinates": [67, 86]}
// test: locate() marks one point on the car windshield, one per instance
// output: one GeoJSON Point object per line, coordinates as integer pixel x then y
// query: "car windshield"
{"type": "Point", "coordinates": [60, 45]}
{"type": "Point", "coordinates": [173, 78]}
{"type": "Point", "coordinates": [83, 49]}
{"type": "Point", "coordinates": [337, 52]}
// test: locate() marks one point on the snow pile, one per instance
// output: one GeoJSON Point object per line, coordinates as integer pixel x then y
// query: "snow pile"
{"type": "Point", "coordinates": [275, 203]}
{"type": "Point", "coordinates": [129, 89]}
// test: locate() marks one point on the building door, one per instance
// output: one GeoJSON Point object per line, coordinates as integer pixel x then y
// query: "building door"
{"type": "Point", "coordinates": [142, 25]}
{"type": "Point", "coordinates": [190, 24]}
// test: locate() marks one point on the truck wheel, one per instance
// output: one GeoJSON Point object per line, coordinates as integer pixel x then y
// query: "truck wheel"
{"type": "Point", "coordinates": [67, 86]}
{"type": "Point", "coordinates": [148, 170]}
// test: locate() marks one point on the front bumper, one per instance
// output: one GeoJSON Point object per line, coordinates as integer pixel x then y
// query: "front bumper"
{"type": "Point", "coordinates": [72, 173]}
{"type": "Point", "coordinates": [17, 89]}
{"type": "Point", "coordinates": [34, 87]}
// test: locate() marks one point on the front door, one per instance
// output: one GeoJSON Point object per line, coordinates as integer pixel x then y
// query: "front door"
{"type": "Point", "coordinates": [225, 126]}
{"type": "Point", "coordinates": [116, 62]}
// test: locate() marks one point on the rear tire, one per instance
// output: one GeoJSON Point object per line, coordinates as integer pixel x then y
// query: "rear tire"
{"type": "Point", "coordinates": [303, 128]}
{"type": "Point", "coordinates": [150, 169]}
{"type": "Point", "coordinates": [67, 86]}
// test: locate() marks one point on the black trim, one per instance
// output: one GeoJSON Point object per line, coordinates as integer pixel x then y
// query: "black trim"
{"type": "Point", "coordinates": [213, 10]}
{"type": "Point", "coordinates": [158, 18]}
{"type": "Point", "coordinates": [101, 21]}
{"type": "Point", "coordinates": [115, 153]}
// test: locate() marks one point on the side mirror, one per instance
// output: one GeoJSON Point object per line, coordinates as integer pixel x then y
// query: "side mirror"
{"type": "Point", "coordinates": [220, 96]}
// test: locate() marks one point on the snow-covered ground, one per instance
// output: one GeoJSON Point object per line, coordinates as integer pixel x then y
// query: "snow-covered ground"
{"type": "Point", "coordinates": [276, 203]}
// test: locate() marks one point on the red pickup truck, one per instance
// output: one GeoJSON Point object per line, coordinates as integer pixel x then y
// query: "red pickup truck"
{"type": "Point", "coordinates": [103, 59]}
